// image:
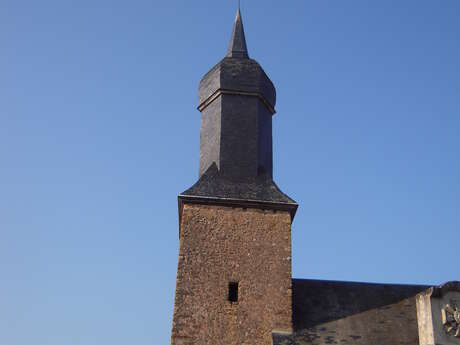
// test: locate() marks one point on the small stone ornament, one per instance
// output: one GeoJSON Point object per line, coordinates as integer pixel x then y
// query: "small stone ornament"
{"type": "Point", "coordinates": [451, 319]}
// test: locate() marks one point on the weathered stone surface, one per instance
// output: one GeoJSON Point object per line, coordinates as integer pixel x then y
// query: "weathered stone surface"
{"type": "Point", "coordinates": [330, 312]}
{"type": "Point", "coordinates": [219, 245]}
{"type": "Point", "coordinates": [438, 315]}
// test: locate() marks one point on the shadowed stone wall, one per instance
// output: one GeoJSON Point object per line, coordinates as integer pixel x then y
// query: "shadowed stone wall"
{"type": "Point", "coordinates": [219, 245]}
{"type": "Point", "coordinates": [350, 313]}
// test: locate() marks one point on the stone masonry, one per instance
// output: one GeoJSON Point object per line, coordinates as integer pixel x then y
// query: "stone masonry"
{"type": "Point", "coordinates": [220, 245]}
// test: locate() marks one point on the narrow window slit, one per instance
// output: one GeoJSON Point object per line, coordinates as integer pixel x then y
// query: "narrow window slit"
{"type": "Point", "coordinates": [233, 292]}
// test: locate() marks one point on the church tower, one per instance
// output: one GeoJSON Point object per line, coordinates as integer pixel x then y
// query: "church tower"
{"type": "Point", "coordinates": [234, 271]}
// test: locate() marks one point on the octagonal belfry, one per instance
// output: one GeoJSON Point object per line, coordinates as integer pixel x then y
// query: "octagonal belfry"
{"type": "Point", "coordinates": [237, 101]}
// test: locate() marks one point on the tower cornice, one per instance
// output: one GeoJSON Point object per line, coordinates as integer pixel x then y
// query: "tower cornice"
{"type": "Point", "coordinates": [221, 92]}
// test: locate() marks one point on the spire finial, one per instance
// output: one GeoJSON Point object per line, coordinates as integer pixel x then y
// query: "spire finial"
{"type": "Point", "coordinates": [238, 46]}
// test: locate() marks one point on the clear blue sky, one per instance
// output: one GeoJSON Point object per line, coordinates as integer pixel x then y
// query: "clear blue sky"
{"type": "Point", "coordinates": [99, 132]}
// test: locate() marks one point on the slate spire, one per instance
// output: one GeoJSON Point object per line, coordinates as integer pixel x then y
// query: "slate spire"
{"type": "Point", "coordinates": [237, 47]}
{"type": "Point", "coordinates": [237, 102]}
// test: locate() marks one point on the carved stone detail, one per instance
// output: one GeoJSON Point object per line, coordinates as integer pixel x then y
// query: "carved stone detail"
{"type": "Point", "coordinates": [450, 316]}
{"type": "Point", "coordinates": [438, 315]}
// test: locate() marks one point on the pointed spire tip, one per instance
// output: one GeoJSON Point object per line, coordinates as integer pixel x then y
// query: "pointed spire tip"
{"type": "Point", "coordinates": [238, 46]}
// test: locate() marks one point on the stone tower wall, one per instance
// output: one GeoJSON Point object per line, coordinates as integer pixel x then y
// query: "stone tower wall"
{"type": "Point", "coordinates": [219, 245]}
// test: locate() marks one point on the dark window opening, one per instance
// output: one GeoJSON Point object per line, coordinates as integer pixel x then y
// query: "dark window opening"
{"type": "Point", "coordinates": [233, 292]}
